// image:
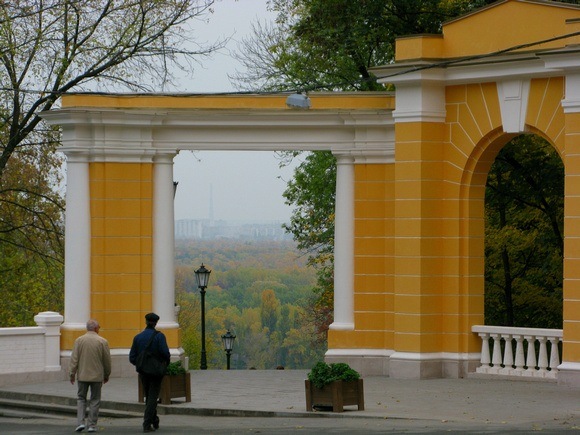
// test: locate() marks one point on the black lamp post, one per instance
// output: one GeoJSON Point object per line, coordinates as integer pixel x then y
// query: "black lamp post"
{"type": "Point", "coordinates": [228, 339]}
{"type": "Point", "coordinates": [202, 278]}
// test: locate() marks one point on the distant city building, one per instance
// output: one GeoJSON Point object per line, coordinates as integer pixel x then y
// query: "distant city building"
{"type": "Point", "coordinates": [208, 229]}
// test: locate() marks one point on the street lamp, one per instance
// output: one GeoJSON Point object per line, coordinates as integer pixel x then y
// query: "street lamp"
{"type": "Point", "coordinates": [202, 279]}
{"type": "Point", "coordinates": [228, 339]}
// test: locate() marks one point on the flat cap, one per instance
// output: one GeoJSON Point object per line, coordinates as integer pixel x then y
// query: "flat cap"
{"type": "Point", "coordinates": [152, 317]}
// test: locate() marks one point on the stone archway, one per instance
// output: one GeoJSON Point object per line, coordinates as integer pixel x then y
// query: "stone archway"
{"type": "Point", "coordinates": [459, 95]}
{"type": "Point", "coordinates": [409, 230]}
{"type": "Point", "coordinates": [119, 223]}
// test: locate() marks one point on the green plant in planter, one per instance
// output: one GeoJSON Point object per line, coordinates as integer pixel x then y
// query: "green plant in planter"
{"type": "Point", "coordinates": [175, 368]}
{"type": "Point", "coordinates": [323, 374]}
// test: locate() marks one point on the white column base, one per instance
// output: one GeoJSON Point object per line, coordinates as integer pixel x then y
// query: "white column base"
{"type": "Point", "coordinates": [368, 362]}
{"type": "Point", "coordinates": [341, 326]}
{"type": "Point", "coordinates": [167, 325]}
{"type": "Point", "coordinates": [407, 365]}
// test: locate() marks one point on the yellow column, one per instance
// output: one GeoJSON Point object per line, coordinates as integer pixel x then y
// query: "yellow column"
{"type": "Point", "coordinates": [571, 345]}
{"type": "Point", "coordinates": [373, 257]}
{"type": "Point", "coordinates": [420, 248]}
{"type": "Point", "coordinates": [374, 253]}
{"type": "Point", "coordinates": [121, 248]}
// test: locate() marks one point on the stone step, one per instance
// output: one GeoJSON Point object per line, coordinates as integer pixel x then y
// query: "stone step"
{"type": "Point", "coordinates": [41, 405]}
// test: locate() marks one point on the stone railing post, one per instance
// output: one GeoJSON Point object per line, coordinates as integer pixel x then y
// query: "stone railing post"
{"type": "Point", "coordinates": [520, 358]}
{"type": "Point", "coordinates": [508, 354]}
{"type": "Point", "coordinates": [485, 357]}
{"type": "Point", "coordinates": [554, 355]}
{"type": "Point", "coordinates": [51, 322]}
{"type": "Point", "coordinates": [543, 357]}
{"type": "Point", "coordinates": [496, 355]}
{"type": "Point", "coordinates": [530, 363]}
{"type": "Point", "coordinates": [531, 354]}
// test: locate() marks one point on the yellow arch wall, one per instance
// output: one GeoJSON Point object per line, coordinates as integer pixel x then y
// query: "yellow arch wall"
{"type": "Point", "coordinates": [419, 226]}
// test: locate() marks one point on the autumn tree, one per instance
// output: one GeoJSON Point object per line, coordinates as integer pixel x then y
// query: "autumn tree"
{"type": "Point", "coordinates": [51, 47]}
{"type": "Point", "coordinates": [269, 309]}
{"type": "Point", "coordinates": [31, 248]}
{"type": "Point", "coordinates": [264, 305]}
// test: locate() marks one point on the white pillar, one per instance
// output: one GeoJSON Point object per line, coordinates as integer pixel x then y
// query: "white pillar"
{"type": "Point", "coordinates": [77, 247]}
{"type": "Point", "coordinates": [344, 245]}
{"type": "Point", "coordinates": [163, 241]}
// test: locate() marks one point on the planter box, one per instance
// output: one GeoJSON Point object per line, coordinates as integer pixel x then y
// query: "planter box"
{"type": "Point", "coordinates": [172, 387]}
{"type": "Point", "coordinates": [337, 395]}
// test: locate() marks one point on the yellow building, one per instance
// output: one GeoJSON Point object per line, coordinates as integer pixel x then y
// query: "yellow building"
{"type": "Point", "coordinates": [412, 166]}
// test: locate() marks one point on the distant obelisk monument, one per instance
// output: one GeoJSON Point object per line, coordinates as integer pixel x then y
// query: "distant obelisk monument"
{"type": "Point", "coordinates": [211, 219]}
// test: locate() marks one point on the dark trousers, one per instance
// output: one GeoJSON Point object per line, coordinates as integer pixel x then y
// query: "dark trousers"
{"type": "Point", "coordinates": [151, 388]}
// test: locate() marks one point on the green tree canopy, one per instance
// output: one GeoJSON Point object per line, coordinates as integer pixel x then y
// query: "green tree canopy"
{"type": "Point", "coordinates": [48, 48]}
{"type": "Point", "coordinates": [524, 213]}
{"type": "Point", "coordinates": [331, 44]}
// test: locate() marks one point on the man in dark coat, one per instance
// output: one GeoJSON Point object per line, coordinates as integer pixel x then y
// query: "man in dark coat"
{"type": "Point", "coordinates": [151, 384]}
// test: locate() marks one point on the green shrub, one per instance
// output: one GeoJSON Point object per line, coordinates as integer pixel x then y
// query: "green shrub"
{"type": "Point", "coordinates": [323, 374]}
{"type": "Point", "coordinates": [175, 368]}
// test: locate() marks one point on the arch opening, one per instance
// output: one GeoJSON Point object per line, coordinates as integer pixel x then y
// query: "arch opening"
{"type": "Point", "coordinates": [524, 242]}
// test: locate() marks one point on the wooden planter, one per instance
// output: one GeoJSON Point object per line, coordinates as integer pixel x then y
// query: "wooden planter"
{"type": "Point", "coordinates": [172, 387]}
{"type": "Point", "coordinates": [337, 395]}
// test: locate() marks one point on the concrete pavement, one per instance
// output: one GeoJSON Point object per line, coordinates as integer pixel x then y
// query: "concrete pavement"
{"type": "Point", "coordinates": [472, 404]}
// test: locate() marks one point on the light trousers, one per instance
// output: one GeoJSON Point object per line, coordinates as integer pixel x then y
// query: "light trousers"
{"type": "Point", "coordinates": [94, 402]}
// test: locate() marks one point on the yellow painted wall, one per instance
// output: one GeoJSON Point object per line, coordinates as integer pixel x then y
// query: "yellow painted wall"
{"type": "Point", "coordinates": [441, 170]}
{"type": "Point", "coordinates": [472, 133]}
{"type": "Point", "coordinates": [545, 116]}
{"type": "Point", "coordinates": [374, 263]}
{"type": "Point", "coordinates": [420, 247]}
{"type": "Point", "coordinates": [121, 248]}
{"type": "Point", "coordinates": [319, 101]}
{"type": "Point", "coordinates": [521, 23]}
{"type": "Point", "coordinates": [571, 347]}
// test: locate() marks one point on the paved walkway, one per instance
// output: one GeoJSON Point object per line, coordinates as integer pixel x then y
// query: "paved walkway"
{"type": "Point", "coordinates": [514, 405]}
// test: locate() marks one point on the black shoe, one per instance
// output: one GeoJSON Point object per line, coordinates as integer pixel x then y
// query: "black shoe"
{"type": "Point", "coordinates": [148, 429]}
{"type": "Point", "coordinates": [156, 425]}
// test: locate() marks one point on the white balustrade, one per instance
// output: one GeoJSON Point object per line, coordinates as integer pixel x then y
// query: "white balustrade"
{"type": "Point", "coordinates": [530, 346]}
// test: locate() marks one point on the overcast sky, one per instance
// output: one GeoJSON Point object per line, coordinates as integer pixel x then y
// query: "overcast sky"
{"type": "Point", "coordinates": [245, 185]}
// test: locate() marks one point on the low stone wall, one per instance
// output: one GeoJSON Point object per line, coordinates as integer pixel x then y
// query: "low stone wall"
{"type": "Point", "coordinates": [31, 354]}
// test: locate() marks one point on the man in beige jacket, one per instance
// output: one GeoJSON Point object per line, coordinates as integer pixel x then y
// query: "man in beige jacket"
{"type": "Point", "coordinates": [91, 364]}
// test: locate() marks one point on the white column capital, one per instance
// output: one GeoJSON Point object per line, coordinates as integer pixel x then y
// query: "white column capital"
{"type": "Point", "coordinates": [422, 101]}
{"type": "Point", "coordinates": [164, 157]}
{"type": "Point", "coordinates": [571, 103]}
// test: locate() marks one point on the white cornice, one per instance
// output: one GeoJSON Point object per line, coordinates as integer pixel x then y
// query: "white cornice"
{"type": "Point", "coordinates": [110, 135]}
{"type": "Point", "coordinates": [482, 69]}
